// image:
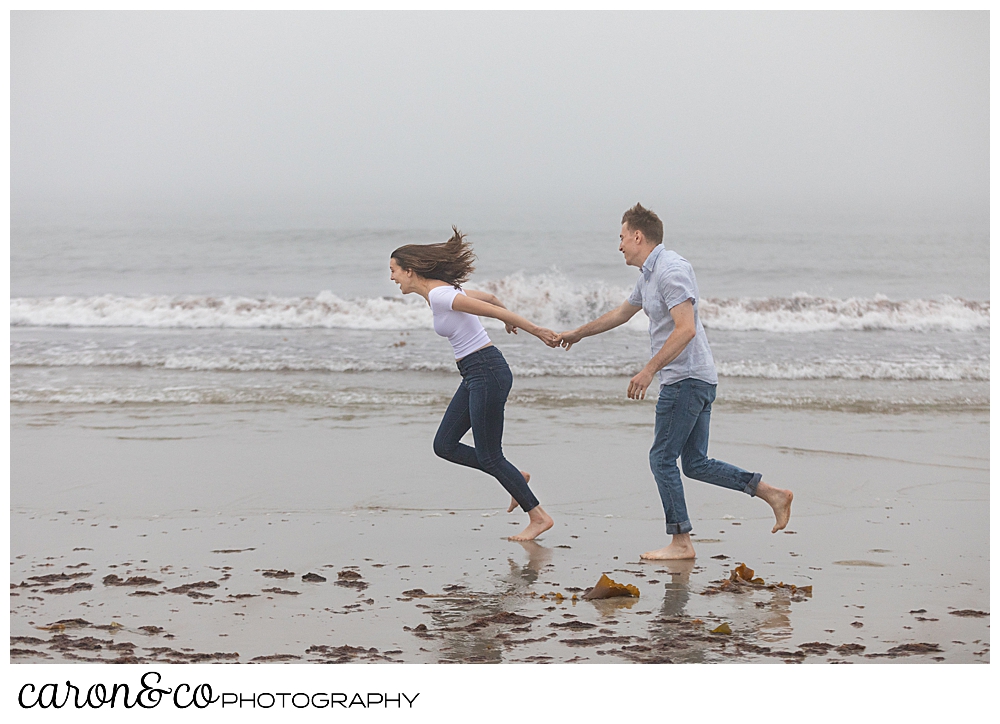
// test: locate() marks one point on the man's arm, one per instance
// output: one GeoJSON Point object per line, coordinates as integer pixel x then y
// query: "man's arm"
{"type": "Point", "coordinates": [684, 330]}
{"type": "Point", "coordinates": [615, 318]}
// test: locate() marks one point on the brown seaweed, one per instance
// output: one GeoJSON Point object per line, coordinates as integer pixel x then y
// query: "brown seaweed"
{"type": "Point", "coordinates": [66, 623]}
{"type": "Point", "coordinates": [596, 640]}
{"type": "Point", "coordinates": [71, 589]}
{"type": "Point", "coordinates": [56, 578]}
{"type": "Point", "coordinates": [573, 625]}
{"type": "Point", "coordinates": [281, 591]}
{"type": "Point", "coordinates": [188, 587]}
{"type": "Point", "coordinates": [607, 588]}
{"type": "Point", "coordinates": [271, 573]}
{"type": "Point", "coordinates": [113, 580]}
{"type": "Point", "coordinates": [742, 579]}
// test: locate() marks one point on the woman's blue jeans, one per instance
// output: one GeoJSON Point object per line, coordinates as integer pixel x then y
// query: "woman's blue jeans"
{"type": "Point", "coordinates": [683, 414]}
{"type": "Point", "coordinates": [479, 403]}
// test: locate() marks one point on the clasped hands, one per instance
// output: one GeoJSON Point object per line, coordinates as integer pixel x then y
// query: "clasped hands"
{"type": "Point", "coordinates": [550, 338]}
{"type": "Point", "coordinates": [637, 386]}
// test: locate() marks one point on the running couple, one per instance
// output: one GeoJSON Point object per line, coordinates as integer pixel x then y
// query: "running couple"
{"type": "Point", "coordinates": [667, 292]}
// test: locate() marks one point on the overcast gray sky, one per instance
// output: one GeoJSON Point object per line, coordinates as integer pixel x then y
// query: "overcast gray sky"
{"type": "Point", "coordinates": [313, 112]}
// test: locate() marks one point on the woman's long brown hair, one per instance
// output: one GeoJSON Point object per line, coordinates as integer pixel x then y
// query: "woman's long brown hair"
{"type": "Point", "coordinates": [449, 262]}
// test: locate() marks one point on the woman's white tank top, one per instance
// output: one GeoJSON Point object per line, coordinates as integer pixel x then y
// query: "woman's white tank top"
{"type": "Point", "coordinates": [463, 330]}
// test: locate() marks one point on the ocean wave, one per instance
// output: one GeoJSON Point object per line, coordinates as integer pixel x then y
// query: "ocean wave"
{"type": "Point", "coordinates": [325, 310]}
{"type": "Point", "coordinates": [859, 369]}
{"type": "Point", "coordinates": [223, 396]}
{"type": "Point", "coordinates": [367, 399]}
{"type": "Point", "coordinates": [262, 361]}
{"type": "Point", "coordinates": [805, 313]}
{"type": "Point", "coordinates": [256, 361]}
{"type": "Point", "coordinates": [547, 299]}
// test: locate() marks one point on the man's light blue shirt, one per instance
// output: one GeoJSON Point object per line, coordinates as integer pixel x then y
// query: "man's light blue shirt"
{"type": "Point", "coordinates": [667, 279]}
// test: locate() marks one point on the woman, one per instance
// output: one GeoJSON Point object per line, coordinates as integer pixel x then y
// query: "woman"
{"type": "Point", "coordinates": [436, 272]}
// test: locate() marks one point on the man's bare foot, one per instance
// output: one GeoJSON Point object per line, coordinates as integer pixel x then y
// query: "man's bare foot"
{"type": "Point", "coordinates": [680, 549]}
{"type": "Point", "coordinates": [780, 502]}
{"type": "Point", "coordinates": [538, 522]}
{"type": "Point", "coordinates": [513, 503]}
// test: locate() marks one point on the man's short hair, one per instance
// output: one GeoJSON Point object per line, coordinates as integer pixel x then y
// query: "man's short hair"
{"type": "Point", "coordinates": [642, 219]}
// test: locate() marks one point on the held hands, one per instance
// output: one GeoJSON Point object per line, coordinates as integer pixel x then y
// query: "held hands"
{"type": "Point", "coordinates": [568, 339]}
{"type": "Point", "coordinates": [548, 336]}
{"type": "Point", "coordinates": [637, 385]}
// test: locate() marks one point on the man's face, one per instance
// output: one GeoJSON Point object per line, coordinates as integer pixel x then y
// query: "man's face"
{"type": "Point", "coordinates": [631, 246]}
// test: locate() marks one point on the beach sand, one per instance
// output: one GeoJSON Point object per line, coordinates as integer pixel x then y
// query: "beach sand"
{"type": "Point", "coordinates": [224, 509]}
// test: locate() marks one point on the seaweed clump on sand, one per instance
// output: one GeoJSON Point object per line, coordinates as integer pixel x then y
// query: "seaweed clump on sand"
{"type": "Point", "coordinates": [906, 650]}
{"type": "Point", "coordinates": [351, 579]}
{"type": "Point", "coordinates": [192, 589]}
{"type": "Point", "coordinates": [49, 579]}
{"type": "Point", "coordinates": [281, 591]}
{"type": "Point", "coordinates": [272, 573]}
{"type": "Point", "coordinates": [113, 580]}
{"type": "Point", "coordinates": [607, 588]}
{"type": "Point", "coordinates": [741, 580]}
{"type": "Point", "coordinates": [347, 654]}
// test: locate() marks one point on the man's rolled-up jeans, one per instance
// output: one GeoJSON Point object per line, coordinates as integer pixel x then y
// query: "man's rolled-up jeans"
{"type": "Point", "coordinates": [683, 414]}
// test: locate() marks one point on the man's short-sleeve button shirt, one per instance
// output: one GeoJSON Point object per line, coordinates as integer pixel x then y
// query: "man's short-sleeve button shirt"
{"type": "Point", "coordinates": [666, 280]}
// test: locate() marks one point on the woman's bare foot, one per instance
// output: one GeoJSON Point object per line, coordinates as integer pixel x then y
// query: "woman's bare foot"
{"type": "Point", "coordinates": [538, 522]}
{"type": "Point", "coordinates": [780, 502]}
{"type": "Point", "coordinates": [680, 549]}
{"type": "Point", "coordinates": [513, 503]}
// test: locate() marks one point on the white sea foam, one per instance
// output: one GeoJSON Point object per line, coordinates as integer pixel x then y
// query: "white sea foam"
{"type": "Point", "coordinates": [881, 400]}
{"type": "Point", "coordinates": [219, 360]}
{"type": "Point", "coordinates": [859, 369]}
{"type": "Point", "coordinates": [212, 361]}
{"type": "Point", "coordinates": [222, 396]}
{"type": "Point", "coordinates": [325, 310]}
{"type": "Point", "coordinates": [805, 313]}
{"type": "Point", "coordinates": [548, 299]}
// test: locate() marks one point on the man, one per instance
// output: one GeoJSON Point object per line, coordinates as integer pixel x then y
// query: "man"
{"type": "Point", "coordinates": [668, 293]}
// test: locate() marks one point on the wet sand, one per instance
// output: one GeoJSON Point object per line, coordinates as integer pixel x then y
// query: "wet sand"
{"type": "Point", "coordinates": [217, 513]}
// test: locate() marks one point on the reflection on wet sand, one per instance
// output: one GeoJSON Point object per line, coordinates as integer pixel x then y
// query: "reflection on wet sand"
{"type": "Point", "coordinates": [677, 591]}
{"type": "Point", "coordinates": [521, 577]}
{"type": "Point", "coordinates": [777, 623]}
{"type": "Point", "coordinates": [516, 622]}
{"type": "Point", "coordinates": [674, 637]}
{"type": "Point", "coordinates": [479, 626]}
{"type": "Point", "coordinates": [515, 611]}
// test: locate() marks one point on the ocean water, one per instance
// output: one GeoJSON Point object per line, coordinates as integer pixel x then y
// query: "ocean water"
{"type": "Point", "coordinates": [185, 396]}
{"type": "Point", "coordinates": [853, 318]}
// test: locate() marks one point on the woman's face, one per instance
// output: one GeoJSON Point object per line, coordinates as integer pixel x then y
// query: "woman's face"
{"type": "Point", "coordinates": [402, 277]}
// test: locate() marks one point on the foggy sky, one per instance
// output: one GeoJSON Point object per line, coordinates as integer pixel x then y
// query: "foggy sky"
{"type": "Point", "coordinates": [307, 113]}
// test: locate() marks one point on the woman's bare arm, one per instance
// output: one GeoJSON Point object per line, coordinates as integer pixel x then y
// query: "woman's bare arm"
{"type": "Point", "coordinates": [495, 301]}
{"type": "Point", "coordinates": [484, 297]}
{"type": "Point", "coordinates": [471, 305]}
